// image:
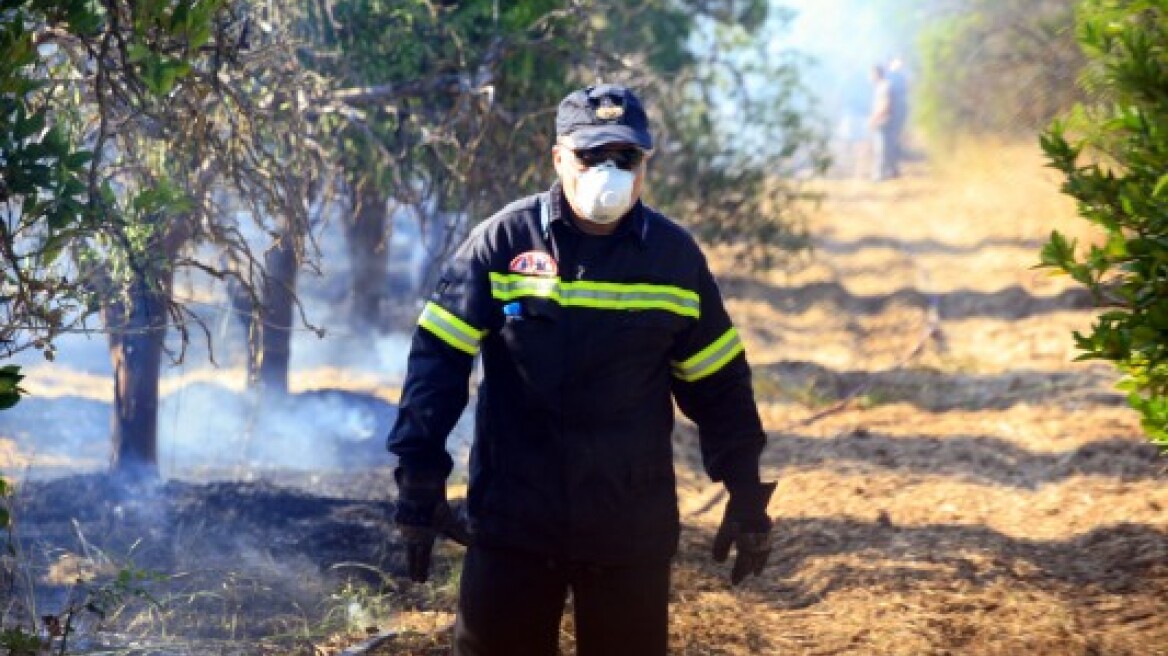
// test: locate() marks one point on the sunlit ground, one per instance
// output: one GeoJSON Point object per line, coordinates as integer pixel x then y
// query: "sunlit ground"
{"type": "Point", "coordinates": [950, 481]}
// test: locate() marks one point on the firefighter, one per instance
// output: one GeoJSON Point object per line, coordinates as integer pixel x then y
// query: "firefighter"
{"type": "Point", "coordinates": [592, 313]}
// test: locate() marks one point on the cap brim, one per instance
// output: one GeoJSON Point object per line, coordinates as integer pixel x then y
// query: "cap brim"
{"type": "Point", "coordinates": [601, 135]}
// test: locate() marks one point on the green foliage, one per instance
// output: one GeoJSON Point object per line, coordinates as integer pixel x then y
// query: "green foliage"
{"type": "Point", "coordinates": [50, 201]}
{"type": "Point", "coordinates": [164, 37]}
{"type": "Point", "coordinates": [117, 121]}
{"type": "Point", "coordinates": [5, 515]}
{"type": "Point", "coordinates": [131, 133]}
{"type": "Point", "coordinates": [1113, 155]}
{"type": "Point", "coordinates": [470, 90]}
{"type": "Point", "coordinates": [103, 598]}
{"type": "Point", "coordinates": [425, 134]}
{"type": "Point", "coordinates": [741, 134]}
{"type": "Point", "coordinates": [987, 66]}
{"type": "Point", "coordinates": [17, 642]}
{"type": "Point", "coordinates": [43, 184]}
{"type": "Point", "coordinates": [10, 391]}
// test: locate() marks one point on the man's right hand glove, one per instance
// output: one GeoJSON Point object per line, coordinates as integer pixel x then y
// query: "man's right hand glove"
{"type": "Point", "coordinates": [421, 514]}
{"type": "Point", "coordinates": [747, 527]}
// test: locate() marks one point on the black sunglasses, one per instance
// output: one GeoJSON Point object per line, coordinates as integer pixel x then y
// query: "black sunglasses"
{"type": "Point", "coordinates": [624, 158]}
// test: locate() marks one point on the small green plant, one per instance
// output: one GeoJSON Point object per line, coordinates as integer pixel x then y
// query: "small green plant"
{"type": "Point", "coordinates": [878, 397]}
{"type": "Point", "coordinates": [14, 640]}
{"type": "Point", "coordinates": [17, 642]}
{"type": "Point", "coordinates": [102, 597]}
{"type": "Point", "coordinates": [356, 607]}
{"type": "Point", "coordinates": [1114, 155]}
{"type": "Point", "coordinates": [106, 598]}
{"type": "Point", "coordinates": [5, 514]}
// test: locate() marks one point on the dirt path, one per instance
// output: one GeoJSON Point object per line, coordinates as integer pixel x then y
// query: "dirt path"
{"type": "Point", "coordinates": [950, 481]}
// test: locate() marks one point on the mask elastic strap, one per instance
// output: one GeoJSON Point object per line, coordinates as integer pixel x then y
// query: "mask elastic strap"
{"type": "Point", "coordinates": [545, 222]}
{"type": "Point", "coordinates": [545, 215]}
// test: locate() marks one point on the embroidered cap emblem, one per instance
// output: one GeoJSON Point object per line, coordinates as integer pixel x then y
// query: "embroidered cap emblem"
{"type": "Point", "coordinates": [534, 263]}
{"type": "Point", "coordinates": [607, 111]}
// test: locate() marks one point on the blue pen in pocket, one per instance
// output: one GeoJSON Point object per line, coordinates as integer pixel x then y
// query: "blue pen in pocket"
{"type": "Point", "coordinates": [513, 311]}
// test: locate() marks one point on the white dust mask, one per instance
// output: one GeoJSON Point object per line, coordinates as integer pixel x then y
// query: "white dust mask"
{"type": "Point", "coordinates": [604, 192]}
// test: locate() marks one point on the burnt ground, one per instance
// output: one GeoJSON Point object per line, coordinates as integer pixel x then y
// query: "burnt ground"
{"type": "Point", "coordinates": [951, 481]}
{"type": "Point", "coordinates": [213, 564]}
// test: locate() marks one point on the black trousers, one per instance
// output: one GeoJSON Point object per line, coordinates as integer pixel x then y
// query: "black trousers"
{"type": "Point", "coordinates": [510, 604]}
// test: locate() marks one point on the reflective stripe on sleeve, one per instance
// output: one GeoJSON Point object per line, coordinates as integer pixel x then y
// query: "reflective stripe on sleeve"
{"type": "Point", "coordinates": [710, 359]}
{"type": "Point", "coordinates": [450, 329]}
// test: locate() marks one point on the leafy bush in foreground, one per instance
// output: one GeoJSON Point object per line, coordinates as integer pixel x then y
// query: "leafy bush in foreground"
{"type": "Point", "coordinates": [1114, 154]}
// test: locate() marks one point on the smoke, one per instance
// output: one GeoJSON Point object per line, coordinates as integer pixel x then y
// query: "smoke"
{"type": "Point", "coordinates": [345, 382]}
{"type": "Point", "coordinates": [841, 34]}
{"type": "Point", "coordinates": [344, 386]}
{"type": "Point", "coordinates": [841, 40]}
{"type": "Point", "coordinates": [829, 48]}
{"type": "Point", "coordinates": [342, 406]}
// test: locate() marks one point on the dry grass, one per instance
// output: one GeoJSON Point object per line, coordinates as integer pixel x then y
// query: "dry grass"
{"type": "Point", "coordinates": [950, 482]}
{"type": "Point", "coordinates": [970, 489]}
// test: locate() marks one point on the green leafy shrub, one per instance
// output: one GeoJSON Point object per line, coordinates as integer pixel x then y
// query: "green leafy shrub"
{"type": "Point", "coordinates": [996, 67]}
{"type": "Point", "coordinates": [1114, 154]}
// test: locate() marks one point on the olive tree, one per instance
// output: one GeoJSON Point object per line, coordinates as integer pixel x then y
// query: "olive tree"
{"type": "Point", "coordinates": [449, 109]}
{"type": "Point", "coordinates": [145, 114]}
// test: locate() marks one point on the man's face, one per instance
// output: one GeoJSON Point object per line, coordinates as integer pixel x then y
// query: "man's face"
{"type": "Point", "coordinates": [570, 163]}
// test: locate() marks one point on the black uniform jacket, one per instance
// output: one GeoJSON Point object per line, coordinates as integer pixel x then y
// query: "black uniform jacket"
{"type": "Point", "coordinates": [585, 342]}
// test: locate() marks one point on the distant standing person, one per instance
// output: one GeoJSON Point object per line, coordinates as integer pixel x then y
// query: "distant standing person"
{"type": "Point", "coordinates": [898, 94]}
{"type": "Point", "coordinates": [882, 122]}
{"type": "Point", "coordinates": [593, 313]}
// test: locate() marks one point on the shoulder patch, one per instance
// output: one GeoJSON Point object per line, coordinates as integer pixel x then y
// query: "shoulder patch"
{"type": "Point", "coordinates": [534, 263]}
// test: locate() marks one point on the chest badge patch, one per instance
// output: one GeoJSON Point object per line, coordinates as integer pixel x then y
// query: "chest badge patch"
{"type": "Point", "coordinates": [534, 263]}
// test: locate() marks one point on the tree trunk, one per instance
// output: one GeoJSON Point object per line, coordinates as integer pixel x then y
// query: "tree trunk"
{"type": "Point", "coordinates": [275, 324]}
{"type": "Point", "coordinates": [367, 233]}
{"type": "Point", "coordinates": [137, 326]}
{"type": "Point", "coordinates": [269, 324]}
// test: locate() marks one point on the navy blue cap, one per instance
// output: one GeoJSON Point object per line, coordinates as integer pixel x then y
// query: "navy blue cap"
{"type": "Point", "coordinates": [603, 114]}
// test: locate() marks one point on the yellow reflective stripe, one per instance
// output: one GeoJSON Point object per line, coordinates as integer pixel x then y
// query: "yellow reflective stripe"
{"type": "Point", "coordinates": [597, 295]}
{"type": "Point", "coordinates": [507, 288]}
{"type": "Point", "coordinates": [634, 296]}
{"type": "Point", "coordinates": [710, 359]}
{"type": "Point", "coordinates": [450, 329]}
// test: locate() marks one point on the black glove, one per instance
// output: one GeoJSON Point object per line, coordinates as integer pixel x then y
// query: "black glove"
{"type": "Point", "coordinates": [421, 515]}
{"type": "Point", "coordinates": [747, 526]}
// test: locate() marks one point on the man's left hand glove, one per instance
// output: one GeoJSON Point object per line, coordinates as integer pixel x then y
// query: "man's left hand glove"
{"type": "Point", "coordinates": [422, 514]}
{"type": "Point", "coordinates": [747, 527]}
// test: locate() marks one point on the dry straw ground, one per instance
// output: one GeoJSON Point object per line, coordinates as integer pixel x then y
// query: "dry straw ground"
{"type": "Point", "coordinates": [950, 482]}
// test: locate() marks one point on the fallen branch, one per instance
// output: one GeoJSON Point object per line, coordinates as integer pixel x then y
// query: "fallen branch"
{"type": "Point", "coordinates": [367, 646]}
